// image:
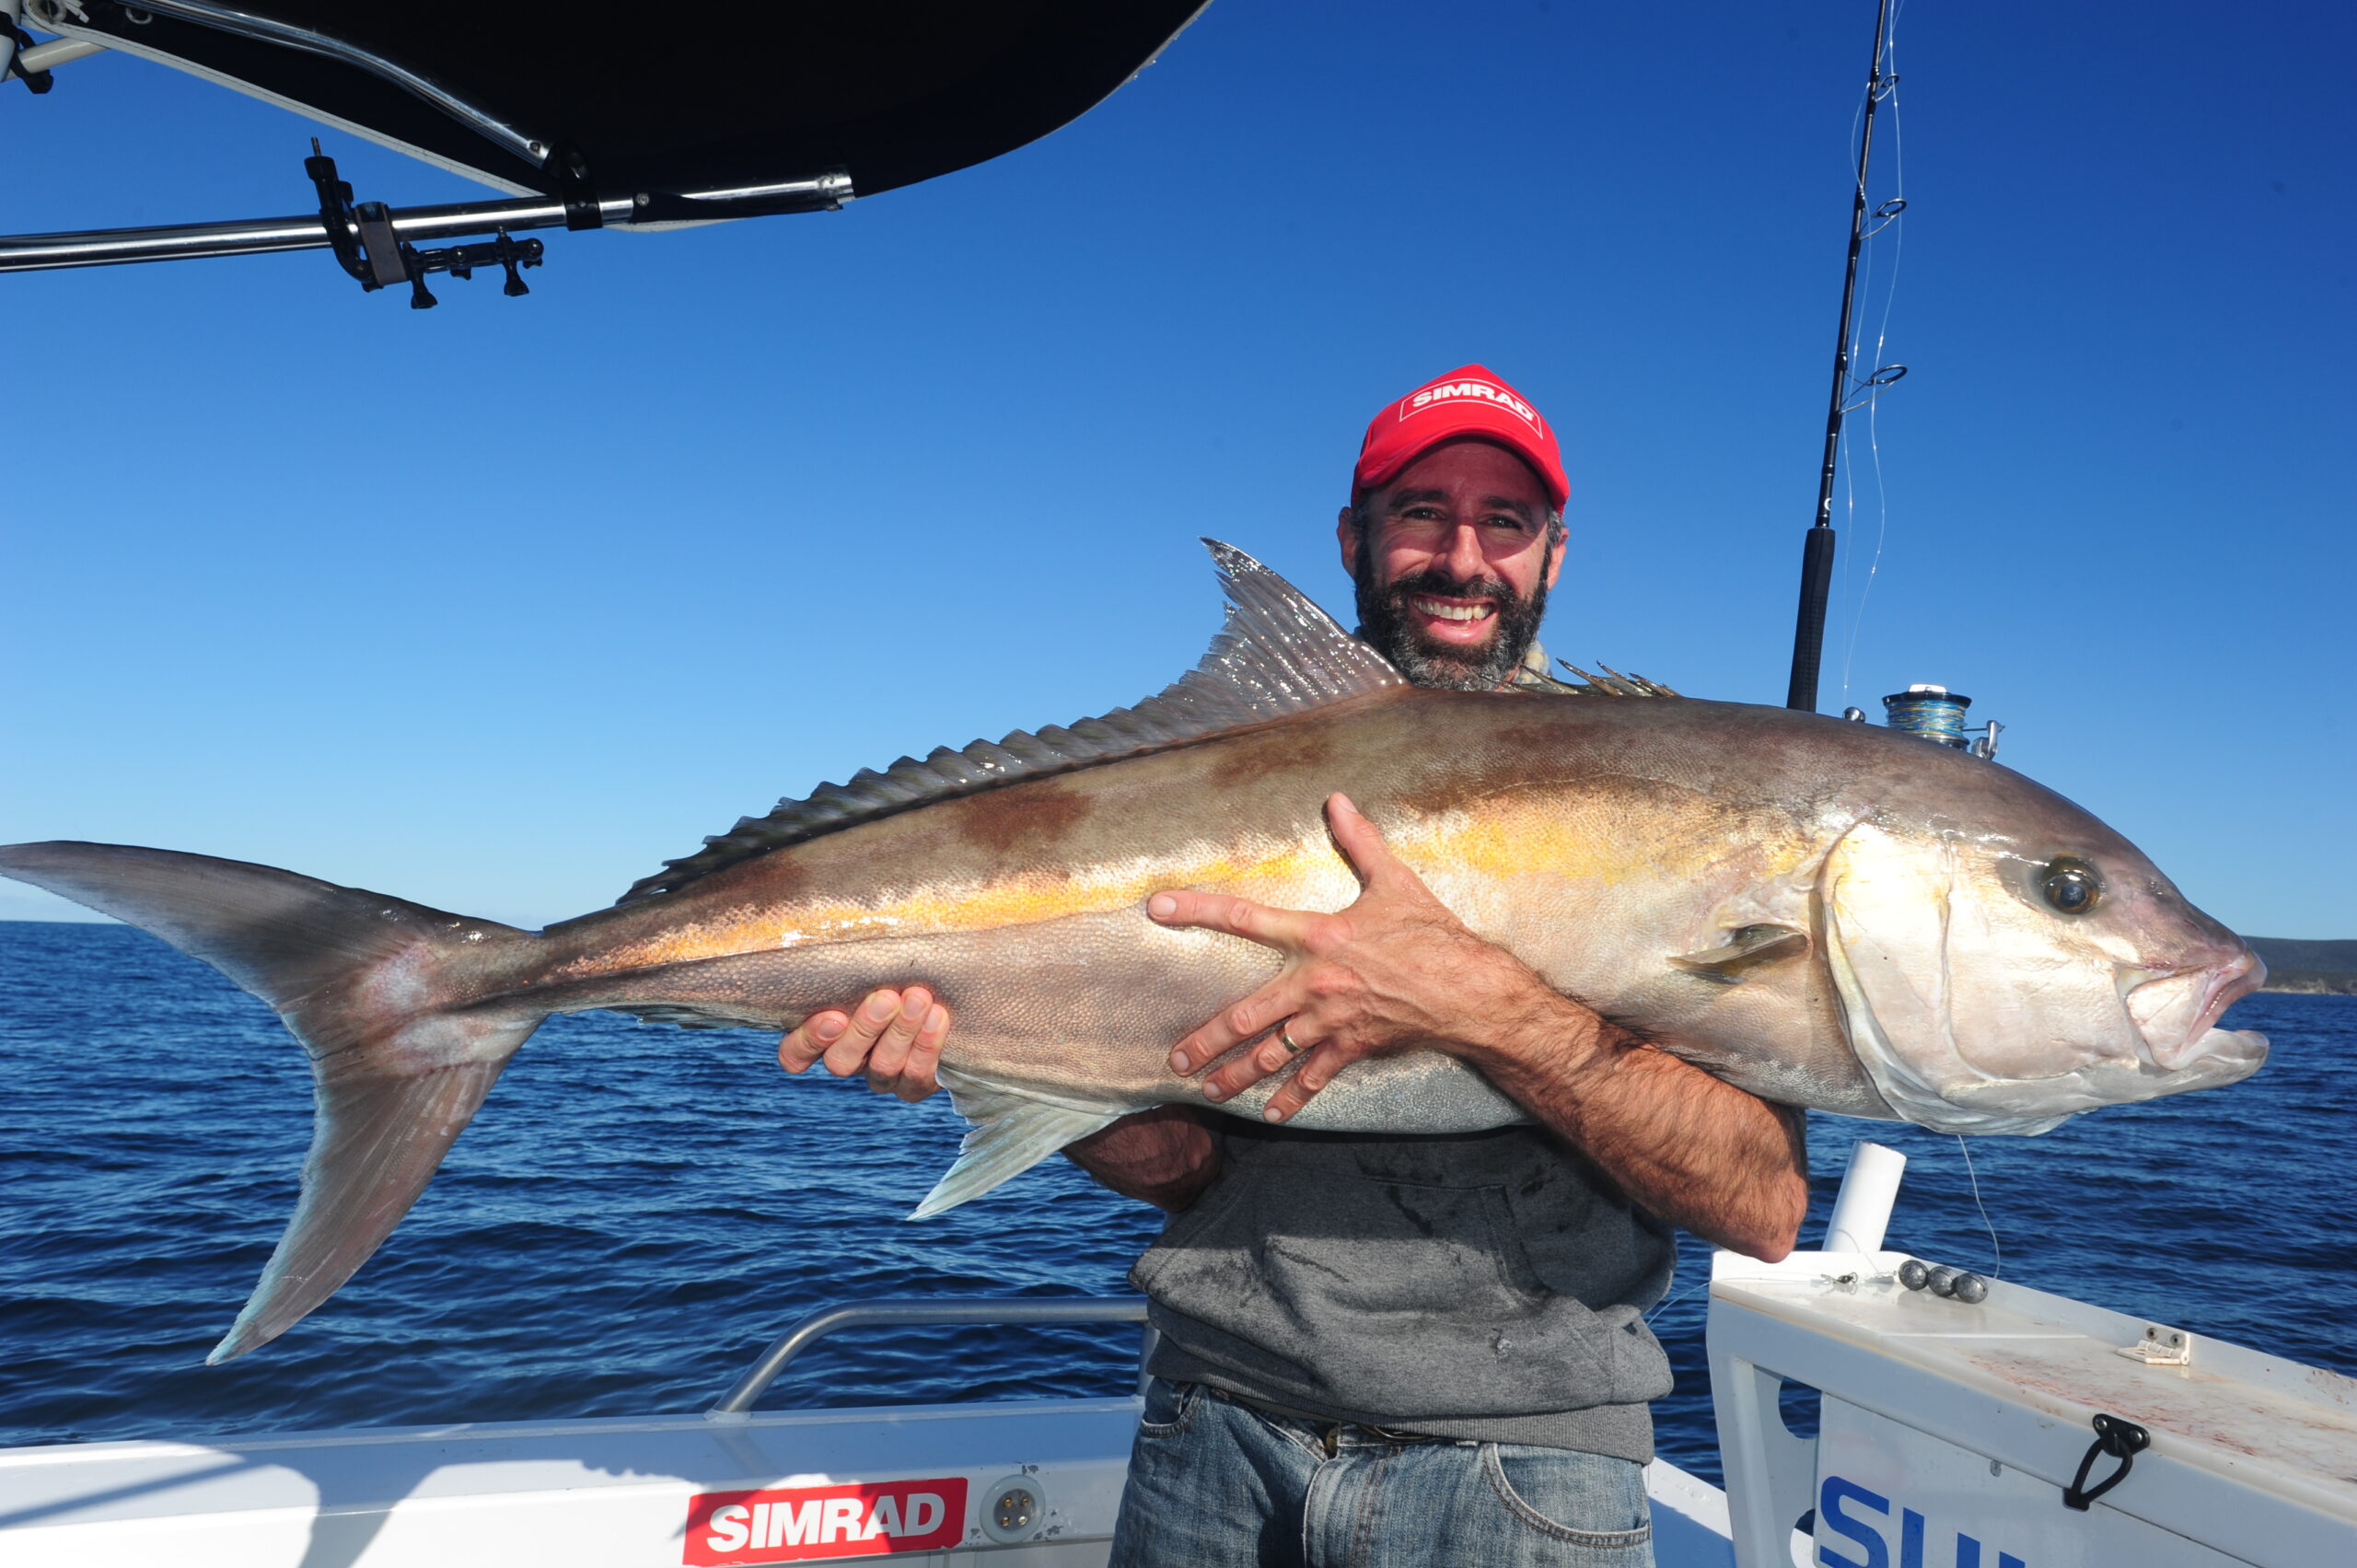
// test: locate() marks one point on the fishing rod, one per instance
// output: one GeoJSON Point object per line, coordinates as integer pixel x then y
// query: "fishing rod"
{"type": "Point", "coordinates": [1817, 553]}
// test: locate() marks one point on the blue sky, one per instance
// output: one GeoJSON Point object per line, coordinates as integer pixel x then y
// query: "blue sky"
{"type": "Point", "coordinates": [498, 606]}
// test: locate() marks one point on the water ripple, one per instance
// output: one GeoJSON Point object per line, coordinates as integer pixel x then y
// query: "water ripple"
{"type": "Point", "coordinates": [638, 1210]}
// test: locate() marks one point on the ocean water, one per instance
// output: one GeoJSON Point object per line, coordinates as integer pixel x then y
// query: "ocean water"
{"type": "Point", "coordinates": [638, 1210]}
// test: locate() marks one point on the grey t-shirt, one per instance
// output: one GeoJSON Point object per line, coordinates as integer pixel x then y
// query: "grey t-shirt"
{"type": "Point", "coordinates": [1489, 1287]}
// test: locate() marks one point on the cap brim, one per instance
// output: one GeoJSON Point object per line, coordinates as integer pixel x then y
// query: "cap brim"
{"type": "Point", "coordinates": [1557, 491]}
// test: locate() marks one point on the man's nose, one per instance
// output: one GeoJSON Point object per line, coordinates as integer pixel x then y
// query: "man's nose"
{"type": "Point", "coordinates": [1461, 553]}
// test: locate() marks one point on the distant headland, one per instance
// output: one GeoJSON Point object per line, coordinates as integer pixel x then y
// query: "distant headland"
{"type": "Point", "coordinates": [2317, 968]}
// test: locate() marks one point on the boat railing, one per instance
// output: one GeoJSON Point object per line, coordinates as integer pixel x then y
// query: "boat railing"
{"type": "Point", "coordinates": [909, 1311]}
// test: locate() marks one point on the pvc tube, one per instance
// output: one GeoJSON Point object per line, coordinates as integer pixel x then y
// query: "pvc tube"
{"type": "Point", "coordinates": [58, 52]}
{"type": "Point", "coordinates": [1862, 1211]}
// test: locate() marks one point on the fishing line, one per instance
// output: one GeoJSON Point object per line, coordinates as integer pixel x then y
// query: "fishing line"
{"type": "Point", "coordinates": [1997, 1269]}
{"type": "Point", "coordinates": [1849, 391]}
{"type": "Point", "coordinates": [1670, 1301]}
{"type": "Point", "coordinates": [1849, 481]}
{"type": "Point", "coordinates": [1896, 223]}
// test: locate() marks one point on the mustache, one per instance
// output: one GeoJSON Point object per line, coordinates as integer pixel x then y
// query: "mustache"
{"type": "Point", "coordinates": [1443, 583]}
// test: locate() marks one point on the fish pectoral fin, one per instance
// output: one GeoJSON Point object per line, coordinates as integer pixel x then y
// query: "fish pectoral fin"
{"type": "Point", "coordinates": [1746, 949]}
{"type": "Point", "coordinates": [1015, 1129]}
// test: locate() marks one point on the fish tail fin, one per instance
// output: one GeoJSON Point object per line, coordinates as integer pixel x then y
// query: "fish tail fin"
{"type": "Point", "coordinates": [380, 993]}
{"type": "Point", "coordinates": [1014, 1130]}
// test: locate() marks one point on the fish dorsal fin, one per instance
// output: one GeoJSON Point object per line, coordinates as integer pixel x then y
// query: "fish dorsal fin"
{"type": "Point", "coordinates": [1612, 683]}
{"type": "Point", "coordinates": [1277, 654]}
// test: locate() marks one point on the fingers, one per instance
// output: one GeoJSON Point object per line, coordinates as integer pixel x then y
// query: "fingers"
{"type": "Point", "coordinates": [809, 1039]}
{"type": "Point", "coordinates": [882, 1028]}
{"type": "Point", "coordinates": [1256, 1015]}
{"type": "Point", "coordinates": [1237, 917]}
{"type": "Point", "coordinates": [848, 1052]}
{"type": "Point", "coordinates": [910, 1048]}
{"type": "Point", "coordinates": [894, 1037]}
{"type": "Point", "coordinates": [890, 1052]}
{"type": "Point", "coordinates": [1320, 1062]}
{"type": "Point", "coordinates": [1318, 1066]}
{"type": "Point", "coordinates": [1293, 930]}
{"type": "Point", "coordinates": [920, 1078]}
{"type": "Point", "coordinates": [1306, 938]}
{"type": "Point", "coordinates": [1362, 844]}
{"type": "Point", "coordinates": [1249, 1068]}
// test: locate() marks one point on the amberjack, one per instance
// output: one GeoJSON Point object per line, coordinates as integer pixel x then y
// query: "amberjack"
{"type": "Point", "coordinates": [1826, 913]}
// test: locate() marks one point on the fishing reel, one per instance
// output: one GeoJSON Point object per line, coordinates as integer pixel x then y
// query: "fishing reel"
{"type": "Point", "coordinates": [1935, 714]}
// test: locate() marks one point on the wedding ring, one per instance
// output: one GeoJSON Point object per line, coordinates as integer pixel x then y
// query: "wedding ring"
{"type": "Point", "coordinates": [1284, 1037]}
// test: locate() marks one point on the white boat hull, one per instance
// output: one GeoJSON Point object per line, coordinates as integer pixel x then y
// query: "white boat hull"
{"type": "Point", "coordinates": [620, 1493]}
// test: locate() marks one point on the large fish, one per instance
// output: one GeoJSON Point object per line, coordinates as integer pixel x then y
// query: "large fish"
{"type": "Point", "coordinates": [1827, 915]}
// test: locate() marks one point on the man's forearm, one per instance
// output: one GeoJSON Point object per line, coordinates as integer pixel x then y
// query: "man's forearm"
{"type": "Point", "coordinates": [1165, 1156]}
{"type": "Point", "coordinates": [1696, 1152]}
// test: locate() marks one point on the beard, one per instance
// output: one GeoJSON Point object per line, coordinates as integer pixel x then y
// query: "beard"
{"type": "Point", "coordinates": [1387, 622]}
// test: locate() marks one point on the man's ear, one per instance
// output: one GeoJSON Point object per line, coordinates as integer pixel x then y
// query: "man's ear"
{"type": "Point", "coordinates": [1555, 554]}
{"type": "Point", "coordinates": [1346, 534]}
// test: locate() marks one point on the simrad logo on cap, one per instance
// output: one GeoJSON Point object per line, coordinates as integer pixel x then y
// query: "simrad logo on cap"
{"type": "Point", "coordinates": [1442, 393]}
{"type": "Point", "coordinates": [798, 1524]}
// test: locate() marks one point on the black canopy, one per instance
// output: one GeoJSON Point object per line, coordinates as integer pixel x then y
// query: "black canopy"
{"type": "Point", "coordinates": [587, 98]}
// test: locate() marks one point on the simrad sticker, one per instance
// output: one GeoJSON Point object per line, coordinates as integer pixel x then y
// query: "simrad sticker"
{"type": "Point", "coordinates": [799, 1524]}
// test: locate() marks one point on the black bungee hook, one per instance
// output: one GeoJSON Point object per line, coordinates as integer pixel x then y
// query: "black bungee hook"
{"type": "Point", "coordinates": [2123, 1440]}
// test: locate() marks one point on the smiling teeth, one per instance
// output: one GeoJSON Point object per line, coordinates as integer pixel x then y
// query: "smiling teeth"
{"type": "Point", "coordinates": [1456, 611]}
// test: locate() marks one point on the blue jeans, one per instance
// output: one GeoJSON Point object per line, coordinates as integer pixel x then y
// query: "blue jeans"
{"type": "Point", "coordinates": [1216, 1481]}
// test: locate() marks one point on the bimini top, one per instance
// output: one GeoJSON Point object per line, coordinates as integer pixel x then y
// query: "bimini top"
{"type": "Point", "coordinates": [614, 113]}
{"type": "Point", "coordinates": [726, 94]}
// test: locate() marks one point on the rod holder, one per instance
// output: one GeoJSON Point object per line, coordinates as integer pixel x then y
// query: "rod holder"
{"type": "Point", "coordinates": [1862, 1209]}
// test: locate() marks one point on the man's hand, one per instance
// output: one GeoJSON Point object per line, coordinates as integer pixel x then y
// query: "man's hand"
{"type": "Point", "coordinates": [1397, 972]}
{"type": "Point", "coordinates": [1165, 1157]}
{"type": "Point", "coordinates": [894, 1036]}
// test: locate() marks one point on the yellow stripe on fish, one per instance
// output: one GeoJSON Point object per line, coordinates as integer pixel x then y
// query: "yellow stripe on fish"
{"type": "Point", "coordinates": [1520, 834]}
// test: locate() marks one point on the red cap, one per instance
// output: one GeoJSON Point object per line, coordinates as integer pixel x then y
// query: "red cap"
{"type": "Point", "coordinates": [1470, 401]}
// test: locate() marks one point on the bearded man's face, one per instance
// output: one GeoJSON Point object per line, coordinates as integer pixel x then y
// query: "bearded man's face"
{"type": "Point", "coordinates": [1452, 561]}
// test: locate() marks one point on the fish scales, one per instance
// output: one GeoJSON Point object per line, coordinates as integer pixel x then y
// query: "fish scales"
{"type": "Point", "coordinates": [1539, 822]}
{"type": "Point", "coordinates": [1828, 914]}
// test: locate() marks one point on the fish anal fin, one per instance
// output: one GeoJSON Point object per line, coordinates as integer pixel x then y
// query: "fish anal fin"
{"type": "Point", "coordinates": [1746, 949]}
{"type": "Point", "coordinates": [1014, 1130]}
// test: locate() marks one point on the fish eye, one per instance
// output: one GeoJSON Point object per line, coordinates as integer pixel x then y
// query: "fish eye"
{"type": "Point", "coordinates": [2071, 885]}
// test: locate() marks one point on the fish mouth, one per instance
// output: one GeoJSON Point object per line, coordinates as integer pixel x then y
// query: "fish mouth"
{"type": "Point", "coordinates": [2181, 1048]}
{"type": "Point", "coordinates": [2175, 1014]}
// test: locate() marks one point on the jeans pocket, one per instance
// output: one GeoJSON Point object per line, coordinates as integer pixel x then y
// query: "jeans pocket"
{"type": "Point", "coordinates": [1169, 1408]}
{"type": "Point", "coordinates": [1586, 1500]}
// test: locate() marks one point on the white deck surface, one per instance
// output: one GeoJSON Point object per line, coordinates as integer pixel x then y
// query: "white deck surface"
{"type": "Point", "coordinates": [2251, 1455]}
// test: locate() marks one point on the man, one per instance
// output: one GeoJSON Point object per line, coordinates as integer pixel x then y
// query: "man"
{"type": "Point", "coordinates": [1381, 1350]}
